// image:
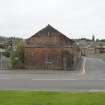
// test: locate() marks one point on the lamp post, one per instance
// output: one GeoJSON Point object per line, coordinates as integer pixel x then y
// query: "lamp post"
{"type": "Point", "coordinates": [1, 59]}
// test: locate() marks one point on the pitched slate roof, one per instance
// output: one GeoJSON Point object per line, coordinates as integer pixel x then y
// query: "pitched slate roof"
{"type": "Point", "coordinates": [49, 28]}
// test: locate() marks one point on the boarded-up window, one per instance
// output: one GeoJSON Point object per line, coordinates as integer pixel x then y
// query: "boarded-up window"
{"type": "Point", "coordinates": [49, 60]}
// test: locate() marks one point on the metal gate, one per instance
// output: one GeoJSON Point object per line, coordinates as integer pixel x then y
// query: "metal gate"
{"type": "Point", "coordinates": [4, 63]}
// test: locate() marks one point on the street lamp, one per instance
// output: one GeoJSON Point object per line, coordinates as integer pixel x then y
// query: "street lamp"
{"type": "Point", "coordinates": [1, 59]}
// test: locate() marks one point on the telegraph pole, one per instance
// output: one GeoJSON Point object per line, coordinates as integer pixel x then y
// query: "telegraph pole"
{"type": "Point", "coordinates": [1, 58]}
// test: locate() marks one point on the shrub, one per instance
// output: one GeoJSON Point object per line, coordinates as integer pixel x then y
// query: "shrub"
{"type": "Point", "coordinates": [17, 55]}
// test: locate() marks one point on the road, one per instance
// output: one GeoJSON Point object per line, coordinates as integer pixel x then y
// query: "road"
{"type": "Point", "coordinates": [95, 69]}
{"type": "Point", "coordinates": [93, 79]}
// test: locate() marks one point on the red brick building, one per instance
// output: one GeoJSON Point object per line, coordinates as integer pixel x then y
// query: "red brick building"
{"type": "Point", "coordinates": [50, 49]}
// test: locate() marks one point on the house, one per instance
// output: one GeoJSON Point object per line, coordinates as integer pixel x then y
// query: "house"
{"type": "Point", "coordinates": [52, 50]}
{"type": "Point", "coordinates": [100, 49]}
{"type": "Point", "coordinates": [85, 44]}
{"type": "Point", "coordinates": [94, 48]}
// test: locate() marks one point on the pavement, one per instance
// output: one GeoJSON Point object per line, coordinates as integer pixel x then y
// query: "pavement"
{"type": "Point", "coordinates": [91, 77]}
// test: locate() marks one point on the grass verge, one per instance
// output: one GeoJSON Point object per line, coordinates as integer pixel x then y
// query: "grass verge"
{"type": "Point", "coordinates": [50, 98]}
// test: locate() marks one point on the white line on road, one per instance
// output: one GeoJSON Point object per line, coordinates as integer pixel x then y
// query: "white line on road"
{"type": "Point", "coordinates": [83, 67]}
{"type": "Point", "coordinates": [101, 79]}
{"type": "Point", "coordinates": [5, 78]}
{"type": "Point", "coordinates": [96, 90]}
{"type": "Point", "coordinates": [72, 79]}
{"type": "Point", "coordinates": [54, 79]}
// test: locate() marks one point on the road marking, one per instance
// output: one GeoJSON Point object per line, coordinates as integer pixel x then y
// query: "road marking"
{"type": "Point", "coordinates": [72, 79]}
{"type": "Point", "coordinates": [102, 79]}
{"type": "Point", "coordinates": [83, 67]}
{"type": "Point", "coordinates": [53, 79]}
{"type": "Point", "coordinates": [96, 90]}
{"type": "Point", "coordinates": [5, 78]}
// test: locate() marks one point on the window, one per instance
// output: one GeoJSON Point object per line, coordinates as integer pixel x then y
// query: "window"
{"type": "Point", "coordinates": [49, 60]}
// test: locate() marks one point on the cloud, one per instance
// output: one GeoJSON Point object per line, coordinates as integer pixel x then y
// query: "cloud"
{"type": "Point", "coordinates": [78, 17]}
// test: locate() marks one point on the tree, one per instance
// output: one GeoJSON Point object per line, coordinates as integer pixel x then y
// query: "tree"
{"type": "Point", "coordinates": [102, 40]}
{"type": "Point", "coordinates": [17, 55]}
{"type": "Point", "coordinates": [97, 40]}
{"type": "Point", "coordinates": [93, 38]}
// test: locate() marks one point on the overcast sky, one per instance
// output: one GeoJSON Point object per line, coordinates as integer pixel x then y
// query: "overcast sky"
{"type": "Point", "coordinates": [74, 18]}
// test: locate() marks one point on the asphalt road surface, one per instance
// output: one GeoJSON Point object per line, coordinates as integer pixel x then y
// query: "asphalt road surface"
{"type": "Point", "coordinates": [90, 78]}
